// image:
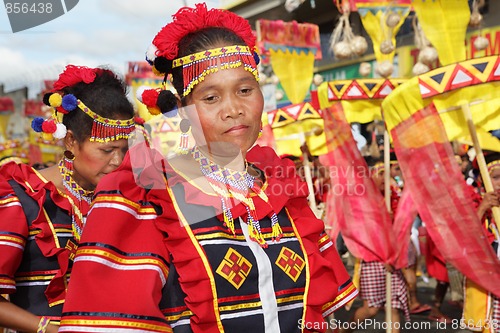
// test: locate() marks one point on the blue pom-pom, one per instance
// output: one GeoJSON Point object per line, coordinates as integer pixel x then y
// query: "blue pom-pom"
{"type": "Point", "coordinates": [69, 102]}
{"type": "Point", "coordinates": [36, 124]}
{"type": "Point", "coordinates": [256, 58]}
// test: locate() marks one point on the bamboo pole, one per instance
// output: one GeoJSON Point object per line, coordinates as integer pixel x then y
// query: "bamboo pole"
{"type": "Point", "coordinates": [307, 173]}
{"type": "Point", "coordinates": [387, 196]}
{"type": "Point", "coordinates": [483, 169]}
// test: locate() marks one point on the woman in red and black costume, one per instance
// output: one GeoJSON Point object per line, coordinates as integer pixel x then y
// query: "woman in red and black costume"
{"type": "Point", "coordinates": [43, 212]}
{"type": "Point", "coordinates": [220, 239]}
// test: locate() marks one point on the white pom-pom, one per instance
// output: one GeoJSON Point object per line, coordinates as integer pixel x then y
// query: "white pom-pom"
{"type": "Point", "coordinates": [274, 79]}
{"type": "Point", "coordinates": [359, 45]}
{"type": "Point", "coordinates": [475, 20]}
{"type": "Point", "coordinates": [386, 47]}
{"type": "Point", "coordinates": [262, 78]}
{"type": "Point", "coordinates": [392, 20]}
{"type": "Point", "coordinates": [384, 69]}
{"type": "Point", "coordinates": [139, 91]}
{"type": "Point", "coordinates": [481, 43]}
{"type": "Point", "coordinates": [420, 68]}
{"type": "Point", "coordinates": [279, 94]}
{"type": "Point", "coordinates": [428, 55]}
{"type": "Point", "coordinates": [365, 69]}
{"type": "Point", "coordinates": [342, 50]}
{"type": "Point", "coordinates": [151, 52]}
{"type": "Point", "coordinates": [60, 131]}
{"type": "Point", "coordinates": [318, 79]}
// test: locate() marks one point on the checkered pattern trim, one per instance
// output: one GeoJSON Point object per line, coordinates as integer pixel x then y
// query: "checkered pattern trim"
{"type": "Point", "coordinates": [372, 287]}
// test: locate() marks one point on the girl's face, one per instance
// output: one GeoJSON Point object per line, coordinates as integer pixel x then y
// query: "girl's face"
{"type": "Point", "coordinates": [94, 160]}
{"type": "Point", "coordinates": [227, 111]}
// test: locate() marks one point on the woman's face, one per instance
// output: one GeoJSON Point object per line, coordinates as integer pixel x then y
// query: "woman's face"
{"type": "Point", "coordinates": [495, 179]}
{"type": "Point", "coordinates": [379, 180]}
{"type": "Point", "coordinates": [227, 111]}
{"type": "Point", "coordinates": [94, 160]}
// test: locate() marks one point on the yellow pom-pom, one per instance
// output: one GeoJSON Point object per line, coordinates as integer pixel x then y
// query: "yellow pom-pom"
{"type": "Point", "coordinates": [157, 72]}
{"type": "Point", "coordinates": [154, 111]}
{"type": "Point", "coordinates": [47, 136]}
{"type": "Point", "coordinates": [55, 100]}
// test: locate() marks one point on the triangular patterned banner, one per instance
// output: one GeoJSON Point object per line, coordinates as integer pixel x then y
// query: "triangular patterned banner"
{"type": "Point", "coordinates": [361, 88]}
{"type": "Point", "coordinates": [460, 75]}
{"type": "Point", "coordinates": [292, 113]}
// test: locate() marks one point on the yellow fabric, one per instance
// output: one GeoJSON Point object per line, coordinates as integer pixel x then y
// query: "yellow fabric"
{"type": "Point", "coordinates": [444, 23]}
{"type": "Point", "coordinates": [4, 121]}
{"type": "Point", "coordinates": [483, 99]}
{"type": "Point", "coordinates": [295, 71]}
{"type": "Point", "coordinates": [360, 111]}
{"type": "Point", "coordinates": [372, 17]}
{"type": "Point", "coordinates": [477, 307]}
{"type": "Point", "coordinates": [294, 123]}
{"type": "Point", "coordinates": [355, 280]}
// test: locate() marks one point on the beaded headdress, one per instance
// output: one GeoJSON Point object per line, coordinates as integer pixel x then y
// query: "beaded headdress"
{"type": "Point", "coordinates": [492, 161]}
{"type": "Point", "coordinates": [377, 168]}
{"type": "Point", "coordinates": [163, 53]}
{"type": "Point", "coordinates": [103, 129]}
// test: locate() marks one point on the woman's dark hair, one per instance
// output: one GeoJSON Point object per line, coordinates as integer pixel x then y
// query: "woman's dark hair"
{"type": "Point", "coordinates": [198, 41]}
{"type": "Point", "coordinates": [106, 96]}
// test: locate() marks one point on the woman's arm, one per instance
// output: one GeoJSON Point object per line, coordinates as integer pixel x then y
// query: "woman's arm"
{"type": "Point", "coordinates": [18, 319]}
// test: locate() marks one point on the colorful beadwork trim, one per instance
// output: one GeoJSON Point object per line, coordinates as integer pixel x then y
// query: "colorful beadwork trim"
{"type": "Point", "coordinates": [198, 65]}
{"type": "Point", "coordinates": [105, 129]}
{"type": "Point", "coordinates": [493, 165]}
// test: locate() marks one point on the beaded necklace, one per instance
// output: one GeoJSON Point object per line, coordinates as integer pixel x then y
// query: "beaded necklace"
{"type": "Point", "coordinates": [227, 184]}
{"type": "Point", "coordinates": [79, 198]}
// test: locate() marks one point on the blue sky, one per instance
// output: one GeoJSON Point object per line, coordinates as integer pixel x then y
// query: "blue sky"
{"type": "Point", "coordinates": [94, 33]}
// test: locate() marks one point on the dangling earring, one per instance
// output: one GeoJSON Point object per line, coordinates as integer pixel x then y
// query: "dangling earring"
{"type": "Point", "coordinates": [184, 126]}
{"type": "Point", "coordinates": [67, 162]}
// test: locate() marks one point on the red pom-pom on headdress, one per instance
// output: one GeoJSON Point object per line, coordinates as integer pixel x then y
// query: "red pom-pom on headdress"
{"type": "Point", "coordinates": [188, 20]}
{"type": "Point", "coordinates": [75, 74]}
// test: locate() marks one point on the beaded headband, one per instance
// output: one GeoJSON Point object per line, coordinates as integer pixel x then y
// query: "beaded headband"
{"type": "Point", "coordinates": [377, 168]}
{"type": "Point", "coordinates": [198, 65]}
{"type": "Point", "coordinates": [493, 165]}
{"type": "Point", "coordinates": [103, 129]}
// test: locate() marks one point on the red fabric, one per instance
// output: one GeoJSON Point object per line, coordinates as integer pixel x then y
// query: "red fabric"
{"type": "Point", "coordinates": [162, 236]}
{"type": "Point", "coordinates": [404, 214]}
{"type": "Point", "coordinates": [355, 205]}
{"type": "Point", "coordinates": [23, 175]}
{"type": "Point", "coordinates": [435, 262]}
{"type": "Point", "coordinates": [441, 196]}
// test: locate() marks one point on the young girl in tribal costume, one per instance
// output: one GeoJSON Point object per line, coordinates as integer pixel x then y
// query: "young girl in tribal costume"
{"type": "Point", "coordinates": [481, 308]}
{"type": "Point", "coordinates": [43, 212]}
{"type": "Point", "coordinates": [372, 275]}
{"type": "Point", "coordinates": [220, 239]}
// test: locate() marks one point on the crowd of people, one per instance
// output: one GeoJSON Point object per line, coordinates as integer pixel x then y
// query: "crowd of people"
{"type": "Point", "coordinates": [117, 237]}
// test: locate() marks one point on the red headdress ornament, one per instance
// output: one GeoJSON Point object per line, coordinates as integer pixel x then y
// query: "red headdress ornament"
{"type": "Point", "coordinates": [188, 20]}
{"type": "Point", "coordinates": [164, 51]}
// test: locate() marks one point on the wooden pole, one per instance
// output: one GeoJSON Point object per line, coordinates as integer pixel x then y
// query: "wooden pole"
{"type": "Point", "coordinates": [387, 196]}
{"type": "Point", "coordinates": [307, 173]}
{"type": "Point", "coordinates": [483, 169]}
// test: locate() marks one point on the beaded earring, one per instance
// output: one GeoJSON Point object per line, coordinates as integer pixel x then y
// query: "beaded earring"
{"type": "Point", "coordinates": [184, 126]}
{"type": "Point", "coordinates": [67, 162]}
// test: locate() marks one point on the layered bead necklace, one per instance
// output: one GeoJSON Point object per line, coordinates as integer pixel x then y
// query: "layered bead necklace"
{"type": "Point", "coordinates": [228, 184]}
{"type": "Point", "coordinates": [79, 198]}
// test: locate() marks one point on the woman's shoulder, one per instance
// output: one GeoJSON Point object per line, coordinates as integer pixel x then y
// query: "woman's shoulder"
{"type": "Point", "coordinates": [22, 174]}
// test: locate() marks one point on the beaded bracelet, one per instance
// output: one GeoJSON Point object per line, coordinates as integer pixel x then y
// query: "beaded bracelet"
{"type": "Point", "coordinates": [42, 325]}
